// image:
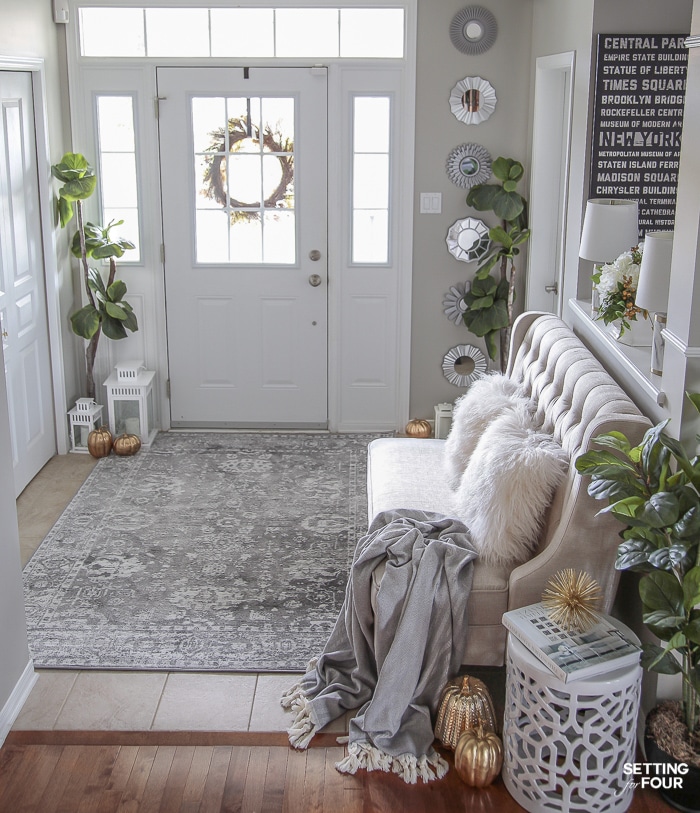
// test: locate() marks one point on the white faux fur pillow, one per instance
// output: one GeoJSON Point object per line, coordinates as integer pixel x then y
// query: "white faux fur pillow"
{"type": "Point", "coordinates": [485, 400]}
{"type": "Point", "coordinates": [508, 485]}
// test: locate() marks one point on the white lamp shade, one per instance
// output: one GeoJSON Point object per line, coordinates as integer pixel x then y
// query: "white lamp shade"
{"type": "Point", "coordinates": [655, 272]}
{"type": "Point", "coordinates": [609, 228]}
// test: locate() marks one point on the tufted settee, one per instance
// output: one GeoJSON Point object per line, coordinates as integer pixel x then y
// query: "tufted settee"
{"type": "Point", "coordinates": [575, 400]}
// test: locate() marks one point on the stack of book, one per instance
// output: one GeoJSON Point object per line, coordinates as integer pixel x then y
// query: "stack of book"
{"type": "Point", "coordinates": [572, 655]}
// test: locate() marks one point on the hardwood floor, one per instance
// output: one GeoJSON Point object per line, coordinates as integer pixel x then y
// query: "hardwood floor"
{"type": "Point", "coordinates": [104, 772]}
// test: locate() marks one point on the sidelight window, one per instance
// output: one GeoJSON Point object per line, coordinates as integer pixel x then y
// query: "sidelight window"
{"type": "Point", "coordinates": [116, 143]}
{"type": "Point", "coordinates": [370, 183]}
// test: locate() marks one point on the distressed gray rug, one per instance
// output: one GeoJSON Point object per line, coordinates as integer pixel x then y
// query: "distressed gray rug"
{"type": "Point", "coordinates": [206, 552]}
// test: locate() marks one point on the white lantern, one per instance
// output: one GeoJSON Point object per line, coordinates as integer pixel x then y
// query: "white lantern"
{"type": "Point", "coordinates": [85, 416]}
{"type": "Point", "coordinates": [443, 420]}
{"type": "Point", "coordinates": [130, 401]}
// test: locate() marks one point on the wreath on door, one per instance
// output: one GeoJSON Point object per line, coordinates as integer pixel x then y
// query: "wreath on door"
{"type": "Point", "coordinates": [214, 179]}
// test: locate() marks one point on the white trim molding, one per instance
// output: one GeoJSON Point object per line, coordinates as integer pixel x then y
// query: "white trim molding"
{"type": "Point", "coordinates": [10, 711]}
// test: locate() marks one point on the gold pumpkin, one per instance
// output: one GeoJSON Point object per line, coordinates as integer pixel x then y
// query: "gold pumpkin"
{"type": "Point", "coordinates": [478, 757]}
{"type": "Point", "coordinates": [99, 442]}
{"type": "Point", "coordinates": [126, 444]}
{"type": "Point", "coordinates": [418, 428]}
{"type": "Point", "coordinates": [465, 703]}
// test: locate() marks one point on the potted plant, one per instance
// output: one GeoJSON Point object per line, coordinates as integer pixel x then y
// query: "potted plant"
{"type": "Point", "coordinates": [106, 310]}
{"type": "Point", "coordinates": [654, 490]}
{"type": "Point", "coordinates": [489, 302]}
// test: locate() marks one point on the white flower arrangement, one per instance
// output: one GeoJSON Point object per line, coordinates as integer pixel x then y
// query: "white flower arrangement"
{"type": "Point", "coordinates": [616, 283]}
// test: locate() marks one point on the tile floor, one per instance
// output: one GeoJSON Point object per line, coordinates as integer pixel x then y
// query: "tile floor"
{"type": "Point", "coordinates": [135, 701]}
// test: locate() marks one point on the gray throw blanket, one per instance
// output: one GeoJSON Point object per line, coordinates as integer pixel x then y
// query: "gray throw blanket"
{"type": "Point", "coordinates": [420, 626]}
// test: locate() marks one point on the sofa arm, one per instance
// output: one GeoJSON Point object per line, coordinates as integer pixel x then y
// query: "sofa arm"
{"type": "Point", "coordinates": [583, 539]}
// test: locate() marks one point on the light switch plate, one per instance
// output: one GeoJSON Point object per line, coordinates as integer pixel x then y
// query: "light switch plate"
{"type": "Point", "coordinates": [430, 203]}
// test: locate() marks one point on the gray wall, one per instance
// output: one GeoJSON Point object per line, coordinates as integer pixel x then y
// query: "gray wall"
{"type": "Point", "coordinates": [439, 67]}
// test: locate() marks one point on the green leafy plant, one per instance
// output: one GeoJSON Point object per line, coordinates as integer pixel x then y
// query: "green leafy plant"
{"type": "Point", "coordinates": [654, 490]}
{"type": "Point", "coordinates": [106, 310]}
{"type": "Point", "coordinates": [489, 302]}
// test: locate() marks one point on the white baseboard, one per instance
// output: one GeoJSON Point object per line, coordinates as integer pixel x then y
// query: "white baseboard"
{"type": "Point", "coordinates": [16, 700]}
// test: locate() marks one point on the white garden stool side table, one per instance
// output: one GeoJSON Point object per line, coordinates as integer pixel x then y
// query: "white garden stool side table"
{"type": "Point", "coordinates": [565, 744]}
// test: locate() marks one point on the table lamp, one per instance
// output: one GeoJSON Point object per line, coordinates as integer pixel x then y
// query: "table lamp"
{"type": "Point", "coordinates": [609, 228]}
{"type": "Point", "coordinates": [653, 287]}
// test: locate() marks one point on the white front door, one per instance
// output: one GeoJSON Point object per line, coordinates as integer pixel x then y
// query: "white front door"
{"type": "Point", "coordinates": [243, 178]}
{"type": "Point", "coordinates": [23, 320]}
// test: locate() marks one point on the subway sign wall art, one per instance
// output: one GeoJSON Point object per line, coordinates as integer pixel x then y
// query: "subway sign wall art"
{"type": "Point", "coordinates": [638, 123]}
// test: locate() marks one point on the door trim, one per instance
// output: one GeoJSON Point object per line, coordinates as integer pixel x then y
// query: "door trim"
{"type": "Point", "coordinates": [549, 179]}
{"type": "Point", "coordinates": [49, 249]}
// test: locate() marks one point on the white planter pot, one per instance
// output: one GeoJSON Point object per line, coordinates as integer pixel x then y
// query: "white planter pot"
{"type": "Point", "coordinates": [639, 334]}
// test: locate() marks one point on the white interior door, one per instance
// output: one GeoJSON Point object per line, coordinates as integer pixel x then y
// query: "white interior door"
{"type": "Point", "coordinates": [549, 193]}
{"type": "Point", "coordinates": [23, 320]}
{"type": "Point", "coordinates": [243, 176]}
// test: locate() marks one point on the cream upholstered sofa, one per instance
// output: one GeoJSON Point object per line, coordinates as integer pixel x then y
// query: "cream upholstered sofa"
{"type": "Point", "coordinates": [575, 400]}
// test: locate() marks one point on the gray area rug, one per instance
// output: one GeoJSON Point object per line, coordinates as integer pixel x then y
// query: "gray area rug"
{"type": "Point", "coordinates": [206, 552]}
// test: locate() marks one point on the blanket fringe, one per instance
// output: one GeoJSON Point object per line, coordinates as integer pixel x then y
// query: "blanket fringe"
{"type": "Point", "coordinates": [302, 730]}
{"type": "Point", "coordinates": [294, 698]}
{"type": "Point", "coordinates": [409, 767]}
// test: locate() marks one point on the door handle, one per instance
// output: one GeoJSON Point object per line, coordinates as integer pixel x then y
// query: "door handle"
{"type": "Point", "coordinates": [315, 280]}
{"type": "Point", "coordinates": [552, 289]}
{"type": "Point", "coordinates": [314, 255]}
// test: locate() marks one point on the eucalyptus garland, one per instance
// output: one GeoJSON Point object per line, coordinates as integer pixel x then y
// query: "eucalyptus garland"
{"type": "Point", "coordinates": [214, 180]}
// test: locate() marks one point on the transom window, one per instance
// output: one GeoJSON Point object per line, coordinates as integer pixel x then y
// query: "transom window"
{"type": "Point", "coordinates": [242, 32]}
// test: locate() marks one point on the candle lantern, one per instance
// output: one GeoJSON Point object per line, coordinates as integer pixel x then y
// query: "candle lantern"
{"type": "Point", "coordinates": [85, 416]}
{"type": "Point", "coordinates": [130, 401]}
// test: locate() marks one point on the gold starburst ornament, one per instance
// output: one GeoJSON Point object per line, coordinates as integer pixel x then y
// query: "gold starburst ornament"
{"type": "Point", "coordinates": [571, 599]}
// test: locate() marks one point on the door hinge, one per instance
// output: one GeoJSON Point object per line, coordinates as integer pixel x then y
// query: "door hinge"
{"type": "Point", "coordinates": [156, 102]}
{"type": "Point", "coordinates": [552, 289]}
{"type": "Point", "coordinates": [162, 252]}
{"type": "Point", "coordinates": [167, 388]}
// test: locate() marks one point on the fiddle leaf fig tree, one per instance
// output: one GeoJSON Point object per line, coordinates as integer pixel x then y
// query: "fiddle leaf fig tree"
{"type": "Point", "coordinates": [489, 303]}
{"type": "Point", "coordinates": [106, 310]}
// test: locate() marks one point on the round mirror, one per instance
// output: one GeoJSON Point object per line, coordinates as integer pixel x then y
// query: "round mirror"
{"type": "Point", "coordinates": [468, 164]}
{"type": "Point", "coordinates": [468, 239]}
{"type": "Point", "coordinates": [472, 100]}
{"type": "Point", "coordinates": [473, 30]}
{"type": "Point", "coordinates": [453, 304]}
{"type": "Point", "coordinates": [463, 364]}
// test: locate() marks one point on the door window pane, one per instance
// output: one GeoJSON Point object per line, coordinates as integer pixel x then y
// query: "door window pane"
{"type": "Point", "coordinates": [371, 124]}
{"type": "Point", "coordinates": [177, 31]}
{"type": "Point", "coordinates": [125, 27]}
{"type": "Point", "coordinates": [370, 231]}
{"type": "Point", "coordinates": [311, 32]}
{"type": "Point", "coordinates": [371, 32]}
{"type": "Point", "coordinates": [244, 168]}
{"type": "Point", "coordinates": [242, 32]}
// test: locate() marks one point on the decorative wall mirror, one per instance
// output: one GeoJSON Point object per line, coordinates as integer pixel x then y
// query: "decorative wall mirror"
{"type": "Point", "coordinates": [463, 364]}
{"type": "Point", "coordinates": [468, 239]}
{"type": "Point", "coordinates": [468, 165]}
{"type": "Point", "coordinates": [453, 305]}
{"type": "Point", "coordinates": [472, 100]}
{"type": "Point", "coordinates": [473, 30]}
